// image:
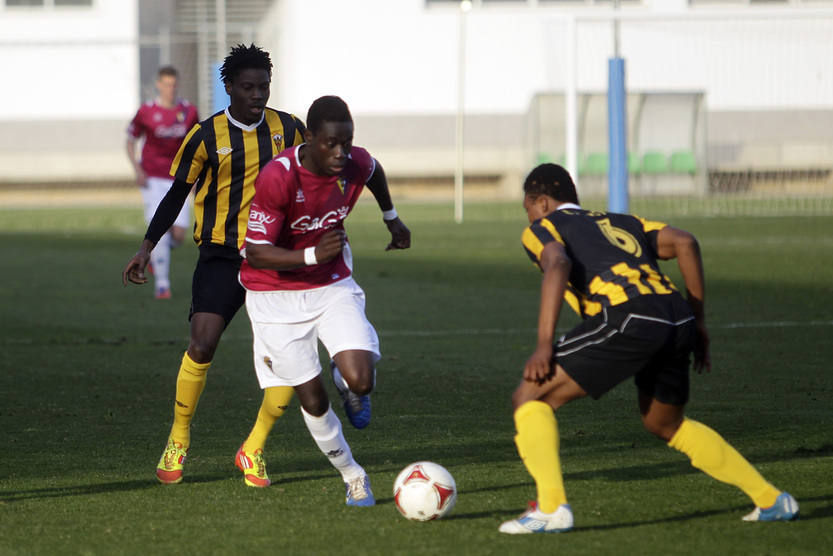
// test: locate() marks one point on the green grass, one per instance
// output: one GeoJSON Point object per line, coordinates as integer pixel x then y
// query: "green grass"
{"type": "Point", "coordinates": [87, 370]}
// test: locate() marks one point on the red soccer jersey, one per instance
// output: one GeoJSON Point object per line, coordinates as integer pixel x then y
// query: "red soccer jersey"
{"type": "Point", "coordinates": [163, 129]}
{"type": "Point", "coordinates": [293, 208]}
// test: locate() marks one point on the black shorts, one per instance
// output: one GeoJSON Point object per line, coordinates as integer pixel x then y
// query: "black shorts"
{"type": "Point", "coordinates": [216, 288]}
{"type": "Point", "coordinates": [650, 338]}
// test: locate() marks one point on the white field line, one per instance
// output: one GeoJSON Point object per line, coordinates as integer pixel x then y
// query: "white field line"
{"type": "Point", "coordinates": [504, 331]}
{"type": "Point", "coordinates": [445, 333]}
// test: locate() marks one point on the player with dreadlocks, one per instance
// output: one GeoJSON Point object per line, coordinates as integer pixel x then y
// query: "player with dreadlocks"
{"type": "Point", "coordinates": [220, 158]}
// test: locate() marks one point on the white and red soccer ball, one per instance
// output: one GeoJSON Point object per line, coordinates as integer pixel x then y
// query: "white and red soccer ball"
{"type": "Point", "coordinates": [424, 491]}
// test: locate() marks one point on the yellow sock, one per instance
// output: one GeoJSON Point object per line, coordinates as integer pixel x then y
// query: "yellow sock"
{"type": "Point", "coordinates": [275, 402]}
{"type": "Point", "coordinates": [710, 453]}
{"type": "Point", "coordinates": [189, 386]}
{"type": "Point", "coordinates": [537, 442]}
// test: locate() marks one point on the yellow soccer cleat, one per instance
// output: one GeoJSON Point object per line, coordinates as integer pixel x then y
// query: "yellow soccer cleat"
{"type": "Point", "coordinates": [169, 469]}
{"type": "Point", "coordinates": [253, 467]}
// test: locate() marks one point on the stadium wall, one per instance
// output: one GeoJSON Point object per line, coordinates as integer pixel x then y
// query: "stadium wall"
{"type": "Point", "coordinates": [396, 65]}
{"type": "Point", "coordinates": [70, 87]}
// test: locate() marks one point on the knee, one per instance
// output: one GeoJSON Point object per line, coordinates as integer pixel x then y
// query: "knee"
{"type": "Point", "coordinates": [360, 378]}
{"type": "Point", "coordinates": [519, 397]}
{"type": "Point", "coordinates": [363, 383]}
{"type": "Point", "coordinates": [201, 351]}
{"type": "Point", "coordinates": [316, 407]}
{"type": "Point", "coordinates": [664, 430]}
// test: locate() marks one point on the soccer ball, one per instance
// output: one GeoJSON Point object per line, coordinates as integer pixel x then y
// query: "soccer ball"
{"type": "Point", "coordinates": [424, 491]}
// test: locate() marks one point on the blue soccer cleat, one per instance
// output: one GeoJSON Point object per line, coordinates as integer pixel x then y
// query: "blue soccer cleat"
{"type": "Point", "coordinates": [358, 492]}
{"type": "Point", "coordinates": [534, 520]}
{"type": "Point", "coordinates": [784, 509]}
{"type": "Point", "coordinates": [356, 407]}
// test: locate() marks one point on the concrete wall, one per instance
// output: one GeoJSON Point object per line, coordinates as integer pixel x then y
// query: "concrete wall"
{"type": "Point", "coordinates": [76, 74]}
{"type": "Point", "coordinates": [70, 88]}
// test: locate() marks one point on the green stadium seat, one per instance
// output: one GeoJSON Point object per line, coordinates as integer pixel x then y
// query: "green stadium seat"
{"type": "Point", "coordinates": [634, 167]}
{"type": "Point", "coordinates": [596, 164]}
{"type": "Point", "coordinates": [683, 162]}
{"type": "Point", "coordinates": [654, 162]}
{"type": "Point", "coordinates": [543, 158]}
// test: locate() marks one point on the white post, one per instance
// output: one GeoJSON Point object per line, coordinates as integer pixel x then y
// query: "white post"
{"type": "Point", "coordinates": [570, 102]}
{"type": "Point", "coordinates": [465, 6]}
{"type": "Point", "coordinates": [220, 8]}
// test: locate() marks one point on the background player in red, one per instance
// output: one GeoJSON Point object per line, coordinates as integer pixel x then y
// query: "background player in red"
{"type": "Point", "coordinates": [162, 122]}
{"type": "Point", "coordinates": [298, 276]}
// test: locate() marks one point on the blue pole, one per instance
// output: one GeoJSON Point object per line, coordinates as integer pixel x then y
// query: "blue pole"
{"type": "Point", "coordinates": [219, 97]}
{"type": "Point", "coordinates": [617, 174]}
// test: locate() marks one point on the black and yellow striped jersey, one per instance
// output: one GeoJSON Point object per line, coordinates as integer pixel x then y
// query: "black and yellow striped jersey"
{"type": "Point", "coordinates": [614, 256]}
{"type": "Point", "coordinates": [222, 158]}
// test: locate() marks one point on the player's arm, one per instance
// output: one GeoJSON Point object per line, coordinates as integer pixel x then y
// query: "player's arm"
{"type": "Point", "coordinates": [556, 265]}
{"type": "Point", "coordinates": [141, 177]}
{"type": "Point", "coordinates": [161, 222]}
{"type": "Point", "coordinates": [682, 245]}
{"type": "Point", "coordinates": [265, 255]}
{"type": "Point", "coordinates": [400, 235]}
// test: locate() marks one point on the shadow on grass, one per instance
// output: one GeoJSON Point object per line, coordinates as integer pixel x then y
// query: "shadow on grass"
{"type": "Point", "coordinates": [78, 490]}
{"type": "Point", "coordinates": [683, 466]}
{"type": "Point", "coordinates": [818, 513]}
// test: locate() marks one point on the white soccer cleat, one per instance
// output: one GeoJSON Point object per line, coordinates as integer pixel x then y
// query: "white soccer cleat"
{"type": "Point", "coordinates": [784, 509]}
{"type": "Point", "coordinates": [535, 521]}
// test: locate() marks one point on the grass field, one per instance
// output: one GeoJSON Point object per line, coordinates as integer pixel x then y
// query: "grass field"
{"type": "Point", "coordinates": [87, 370]}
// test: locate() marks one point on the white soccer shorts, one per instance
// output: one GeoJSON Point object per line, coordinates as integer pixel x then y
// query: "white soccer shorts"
{"type": "Point", "coordinates": [287, 325]}
{"type": "Point", "coordinates": [155, 189]}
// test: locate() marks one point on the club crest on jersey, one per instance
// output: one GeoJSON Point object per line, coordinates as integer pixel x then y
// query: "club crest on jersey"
{"type": "Point", "coordinates": [180, 116]}
{"type": "Point", "coordinates": [278, 139]}
{"type": "Point", "coordinates": [299, 197]}
{"type": "Point", "coordinates": [342, 184]}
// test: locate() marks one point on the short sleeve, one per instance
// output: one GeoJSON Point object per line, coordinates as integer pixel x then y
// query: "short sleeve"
{"type": "Point", "coordinates": [651, 229]}
{"type": "Point", "coordinates": [136, 129]}
{"type": "Point", "coordinates": [191, 157]}
{"type": "Point", "coordinates": [537, 236]}
{"type": "Point", "coordinates": [269, 206]}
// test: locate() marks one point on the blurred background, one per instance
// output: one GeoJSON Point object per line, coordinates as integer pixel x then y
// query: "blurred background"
{"type": "Point", "coordinates": [727, 100]}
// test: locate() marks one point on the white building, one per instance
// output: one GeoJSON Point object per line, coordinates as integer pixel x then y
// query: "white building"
{"type": "Point", "coordinates": [76, 70]}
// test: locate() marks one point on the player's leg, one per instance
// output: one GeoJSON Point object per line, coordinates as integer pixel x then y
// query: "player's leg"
{"type": "Point", "coordinates": [325, 428]}
{"type": "Point", "coordinates": [353, 345]}
{"type": "Point", "coordinates": [160, 257]}
{"type": "Point", "coordinates": [663, 393]}
{"type": "Point", "coordinates": [710, 453]}
{"type": "Point", "coordinates": [206, 329]}
{"type": "Point", "coordinates": [277, 389]}
{"type": "Point", "coordinates": [537, 441]}
{"type": "Point", "coordinates": [182, 224]}
{"type": "Point", "coordinates": [249, 458]}
{"type": "Point", "coordinates": [216, 297]}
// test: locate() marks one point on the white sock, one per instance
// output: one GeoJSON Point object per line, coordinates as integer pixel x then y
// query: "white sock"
{"type": "Point", "coordinates": [160, 258]}
{"type": "Point", "coordinates": [326, 431]}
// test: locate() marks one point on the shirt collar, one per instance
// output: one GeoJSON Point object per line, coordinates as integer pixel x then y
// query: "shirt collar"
{"type": "Point", "coordinates": [242, 126]}
{"type": "Point", "coordinates": [565, 206]}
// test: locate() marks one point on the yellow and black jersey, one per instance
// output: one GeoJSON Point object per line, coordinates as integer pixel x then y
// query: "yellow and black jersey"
{"type": "Point", "coordinates": [222, 159]}
{"type": "Point", "coordinates": [614, 256]}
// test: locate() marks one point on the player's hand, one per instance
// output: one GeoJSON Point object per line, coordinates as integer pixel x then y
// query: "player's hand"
{"type": "Point", "coordinates": [702, 358]}
{"type": "Point", "coordinates": [331, 244]}
{"type": "Point", "coordinates": [400, 235]}
{"type": "Point", "coordinates": [141, 177]}
{"type": "Point", "coordinates": [135, 269]}
{"type": "Point", "coordinates": [539, 367]}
